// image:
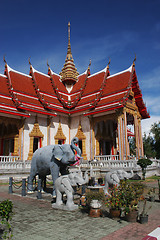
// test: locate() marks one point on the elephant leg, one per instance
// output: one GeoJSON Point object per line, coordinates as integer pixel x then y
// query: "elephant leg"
{"type": "Point", "coordinates": [42, 183]}
{"type": "Point", "coordinates": [69, 202]}
{"type": "Point", "coordinates": [30, 182]}
{"type": "Point", "coordinates": [54, 168]}
{"type": "Point", "coordinates": [58, 197]}
{"type": "Point", "coordinates": [106, 188]}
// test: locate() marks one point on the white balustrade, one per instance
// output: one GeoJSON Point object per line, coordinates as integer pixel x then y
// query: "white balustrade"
{"type": "Point", "coordinates": [9, 158]}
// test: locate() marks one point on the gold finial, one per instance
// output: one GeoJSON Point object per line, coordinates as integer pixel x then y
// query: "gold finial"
{"type": "Point", "coordinates": [4, 59]}
{"type": "Point", "coordinates": [89, 65]}
{"type": "Point", "coordinates": [69, 37]}
{"type": "Point", "coordinates": [108, 63]}
{"type": "Point", "coordinates": [69, 72]}
{"type": "Point", "coordinates": [48, 64]}
{"type": "Point", "coordinates": [135, 58]}
{"type": "Point", "coordinates": [29, 61]}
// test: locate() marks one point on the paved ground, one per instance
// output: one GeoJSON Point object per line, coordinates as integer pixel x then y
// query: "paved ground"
{"type": "Point", "coordinates": [37, 220]}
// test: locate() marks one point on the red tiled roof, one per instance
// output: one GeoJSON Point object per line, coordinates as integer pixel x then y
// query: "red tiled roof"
{"type": "Point", "coordinates": [46, 94]}
{"type": "Point", "coordinates": [22, 83]}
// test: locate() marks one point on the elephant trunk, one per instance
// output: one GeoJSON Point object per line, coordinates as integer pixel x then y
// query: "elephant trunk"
{"type": "Point", "coordinates": [74, 147]}
{"type": "Point", "coordinates": [130, 175]}
{"type": "Point", "coordinates": [86, 179]}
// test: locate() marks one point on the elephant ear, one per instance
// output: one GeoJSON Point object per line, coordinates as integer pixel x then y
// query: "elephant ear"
{"type": "Point", "coordinates": [66, 183]}
{"type": "Point", "coordinates": [115, 178]}
{"type": "Point", "coordinates": [58, 152]}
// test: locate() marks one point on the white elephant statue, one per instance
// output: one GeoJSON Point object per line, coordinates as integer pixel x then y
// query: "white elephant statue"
{"type": "Point", "coordinates": [114, 177]}
{"type": "Point", "coordinates": [63, 185]}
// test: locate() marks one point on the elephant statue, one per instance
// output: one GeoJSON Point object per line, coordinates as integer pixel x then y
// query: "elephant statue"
{"type": "Point", "coordinates": [64, 185]}
{"type": "Point", "coordinates": [114, 177]}
{"type": "Point", "coordinates": [53, 159]}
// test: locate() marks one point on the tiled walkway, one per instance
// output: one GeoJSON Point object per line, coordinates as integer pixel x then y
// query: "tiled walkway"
{"type": "Point", "coordinates": [37, 220]}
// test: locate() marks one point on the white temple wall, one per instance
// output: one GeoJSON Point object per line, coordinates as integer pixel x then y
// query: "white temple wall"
{"type": "Point", "coordinates": [28, 126]}
{"type": "Point", "coordinates": [85, 123]}
{"type": "Point", "coordinates": [85, 128]}
{"type": "Point", "coordinates": [53, 129]}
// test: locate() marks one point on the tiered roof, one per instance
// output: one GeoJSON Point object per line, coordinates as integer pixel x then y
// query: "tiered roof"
{"type": "Point", "coordinates": [22, 94]}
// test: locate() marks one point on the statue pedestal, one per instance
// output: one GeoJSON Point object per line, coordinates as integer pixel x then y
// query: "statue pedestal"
{"type": "Point", "coordinates": [64, 207]}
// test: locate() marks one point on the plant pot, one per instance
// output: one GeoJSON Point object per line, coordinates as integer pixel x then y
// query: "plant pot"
{"type": "Point", "coordinates": [95, 212]}
{"type": "Point", "coordinates": [115, 213]}
{"type": "Point", "coordinates": [152, 198]}
{"type": "Point", "coordinates": [132, 216]}
{"type": "Point", "coordinates": [143, 219]}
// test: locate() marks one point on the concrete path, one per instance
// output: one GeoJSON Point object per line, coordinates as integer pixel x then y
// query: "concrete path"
{"type": "Point", "coordinates": [37, 220]}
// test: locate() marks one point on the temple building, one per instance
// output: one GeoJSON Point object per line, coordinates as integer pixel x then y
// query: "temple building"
{"type": "Point", "coordinates": [41, 109]}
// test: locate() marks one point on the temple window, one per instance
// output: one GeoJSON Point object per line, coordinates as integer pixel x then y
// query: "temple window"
{"type": "Point", "coordinates": [82, 141]}
{"type": "Point", "coordinates": [36, 137]}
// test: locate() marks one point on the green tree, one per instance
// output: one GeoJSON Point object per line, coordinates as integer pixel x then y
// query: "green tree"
{"type": "Point", "coordinates": [144, 163]}
{"type": "Point", "coordinates": [155, 130]}
{"type": "Point", "coordinates": [148, 145]}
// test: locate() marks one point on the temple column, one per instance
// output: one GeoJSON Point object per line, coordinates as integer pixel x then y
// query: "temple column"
{"type": "Point", "coordinates": [21, 141]}
{"type": "Point", "coordinates": [16, 145]}
{"type": "Point", "coordinates": [92, 138]}
{"type": "Point", "coordinates": [48, 130]}
{"type": "Point", "coordinates": [120, 137]}
{"type": "Point", "coordinates": [125, 137]}
{"type": "Point", "coordinates": [140, 138]}
{"type": "Point", "coordinates": [97, 147]}
{"type": "Point", "coordinates": [136, 132]}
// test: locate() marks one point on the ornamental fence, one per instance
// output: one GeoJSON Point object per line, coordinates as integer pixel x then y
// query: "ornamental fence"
{"type": "Point", "coordinates": [101, 163]}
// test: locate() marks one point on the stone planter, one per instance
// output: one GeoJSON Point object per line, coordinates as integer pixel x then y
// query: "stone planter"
{"type": "Point", "coordinates": [131, 216]}
{"type": "Point", "coordinates": [95, 210]}
{"type": "Point", "coordinates": [114, 213]}
{"type": "Point", "coordinates": [152, 198]}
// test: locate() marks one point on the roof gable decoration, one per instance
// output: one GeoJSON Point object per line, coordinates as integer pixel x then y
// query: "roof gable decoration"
{"type": "Point", "coordinates": [59, 135]}
{"type": "Point", "coordinates": [10, 88]}
{"type": "Point", "coordinates": [39, 95]}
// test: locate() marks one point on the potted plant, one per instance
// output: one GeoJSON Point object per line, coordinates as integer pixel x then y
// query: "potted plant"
{"type": "Point", "coordinates": [143, 163]}
{"type": "Point", "coordinates": [159, 187]}
{"type": "Point", "coordinates": [143, 216]}
{"type": "Point", "coordinates": [94, 201]}
{"type": "Point", "coordinates": [130, 195]}
{"type": "Point", "coordinates": [151, 194]}
{"type": "Point", "coordinates": [6, 212]}
{"type": "Point", "coordinates": [114, 201]}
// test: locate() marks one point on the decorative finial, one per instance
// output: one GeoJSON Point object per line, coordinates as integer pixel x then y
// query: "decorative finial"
{"type": "Point", "coordinates": [108, 63]}
{"type": "Point", "coordinates": [29, 61]}
{"type": "Point", "coordinates": [135, 58]}
{"type": "Point", "coordinates": [69, 36]}
{"type": "Point", "coordinates": [89, 66]}
{"type": "Point", "coordinates": [4, 59]}
{"type": "Point", "coordinates": [48, 64]}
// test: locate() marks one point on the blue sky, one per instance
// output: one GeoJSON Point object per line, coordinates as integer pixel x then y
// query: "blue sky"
{"type": "Point", "coordinates": [99, 30]}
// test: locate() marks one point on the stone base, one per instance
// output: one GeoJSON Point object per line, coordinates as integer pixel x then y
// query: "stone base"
{"type": "Point", "coordinates": [64, 207]}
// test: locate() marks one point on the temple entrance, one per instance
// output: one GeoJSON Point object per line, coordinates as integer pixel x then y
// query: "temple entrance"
{"type": "Point", "coordinates": [105, 147]}
{"type": "Point", "coordinates": [8, 136]}
{"type": "Point", "coordinates": [105, 133]}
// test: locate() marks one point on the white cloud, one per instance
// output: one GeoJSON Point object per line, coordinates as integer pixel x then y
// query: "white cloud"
{"type": "Point", "coordinates": [152, 103]}
{"type": "Point", "coordinates": [151, 80]}
{"type": "Point", "coordinates": [147, 123]}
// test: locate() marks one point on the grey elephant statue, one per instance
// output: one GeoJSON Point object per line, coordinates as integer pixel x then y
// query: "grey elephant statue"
{"type": "Point", "coordinates": [64, 185]}
{"type": "Point", "coordinates": [114, 177]}
{"type": "Point", "coordinates": [53, 159]}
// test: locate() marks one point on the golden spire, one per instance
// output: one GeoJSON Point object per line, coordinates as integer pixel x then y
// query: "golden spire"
{"type": "Point", "coordinates": [69, 71]}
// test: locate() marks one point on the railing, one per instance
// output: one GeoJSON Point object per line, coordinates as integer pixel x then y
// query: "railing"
{"type": "Point", "coordinates": [106, 157]}
{"type": "Point", "coordinates": [9, 158]}
{"type": "Point", "coordinates": [109, 164]}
